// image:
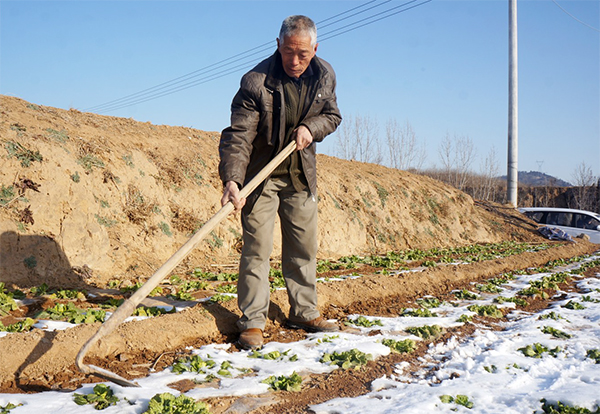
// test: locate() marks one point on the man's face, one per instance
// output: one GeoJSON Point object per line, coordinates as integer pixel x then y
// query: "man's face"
{"type": "Point", "coordinates": [296, 53]}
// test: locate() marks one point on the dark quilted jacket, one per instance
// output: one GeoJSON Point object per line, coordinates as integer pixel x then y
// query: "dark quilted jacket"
{"type": "Point", "coordinates": [257, 126]}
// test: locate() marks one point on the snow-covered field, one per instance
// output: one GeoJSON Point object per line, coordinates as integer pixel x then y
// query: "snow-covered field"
{"type": "Point", "coordinates": [487, 372]}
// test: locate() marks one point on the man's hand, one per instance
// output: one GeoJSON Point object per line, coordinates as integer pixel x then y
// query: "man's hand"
{"type": "Point", "coordinates": [231, 192]}
{"type": "Point", "coordinates": [303, 137]}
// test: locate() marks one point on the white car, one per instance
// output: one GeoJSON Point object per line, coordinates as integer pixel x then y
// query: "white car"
{"type": "Point", "coordinates": [573, 222]}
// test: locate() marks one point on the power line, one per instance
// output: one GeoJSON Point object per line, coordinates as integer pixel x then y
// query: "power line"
{"type": "Point", "coordinates": [247, 59]}
{"type": "Point", "coordinates": [152, 92]}
{"type": "Point", "coordinates": [575, 18]}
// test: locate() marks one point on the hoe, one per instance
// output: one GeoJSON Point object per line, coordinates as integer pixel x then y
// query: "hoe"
{"type": "Point", "coordinates": [127, 308]}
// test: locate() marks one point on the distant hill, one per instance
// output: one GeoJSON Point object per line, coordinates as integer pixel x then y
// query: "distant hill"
{"type": "Point", "coordinates": [538, 179]}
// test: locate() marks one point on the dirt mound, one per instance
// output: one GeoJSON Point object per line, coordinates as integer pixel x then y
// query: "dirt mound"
{"type": "Point", "coordinates": [87, 198]}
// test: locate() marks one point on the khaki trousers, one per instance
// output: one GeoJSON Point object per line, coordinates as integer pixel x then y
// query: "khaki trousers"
{"type": "Point", "coordinates": [298, 215]}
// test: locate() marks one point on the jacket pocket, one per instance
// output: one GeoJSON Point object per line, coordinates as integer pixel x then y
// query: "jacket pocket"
{"type": "Point", "coordinates": [321, 98]}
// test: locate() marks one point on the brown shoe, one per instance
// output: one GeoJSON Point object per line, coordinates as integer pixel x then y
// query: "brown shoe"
{"type": "Point", "coordinates": [316, 325]}
{"type": "Point", "coordinates": [251, 339]}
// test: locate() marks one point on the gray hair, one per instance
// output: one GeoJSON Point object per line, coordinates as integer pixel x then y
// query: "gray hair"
{"type": "Point", "coordinates": [298, 24]}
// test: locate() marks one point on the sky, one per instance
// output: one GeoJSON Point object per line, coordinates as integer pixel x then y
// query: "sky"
{"type": "Point", "coordinates": [441, 66]}
{"type": "Point", "coordinates": [476, 367]}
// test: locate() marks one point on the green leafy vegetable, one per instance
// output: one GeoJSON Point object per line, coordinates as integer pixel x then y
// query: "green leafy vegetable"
{"type": "Point", "coordinates": [537, 350]}
{"type": "Point", "coordinates": [560, 408]}
{"type": "Point", "coordinates": [21, 326]}
{"type": "Point", "coordinates": [193, 364]}
{"type": "Point", "coordinates": [348, 359]}
{"type": "Point", "coordinates": [425, 331]}
{"type": "Point", "coordinates": [167, 403]}
{"type": "Point", "coordinates": [402, 347]}
{"type": "Point", "coordinates": [363, 321]}
{"type": "Point", "coordinates": [557, 333]}
{"type": "Point", "coordinates": [594, 354]}
{"type": "Point", "coordinates": [491, 311]}
{"type": "Point", "coordinates": [291, 383]}
{"type": "Point", "coordinates": [101, 398]}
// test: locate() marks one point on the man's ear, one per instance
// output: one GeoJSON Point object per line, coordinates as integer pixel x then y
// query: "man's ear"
{"type": "Point", "coordinates": [316, 45]}
{"type": "Point", "coordinates": [277, 43]}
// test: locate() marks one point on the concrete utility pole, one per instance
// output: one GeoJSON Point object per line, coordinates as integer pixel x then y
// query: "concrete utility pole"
{"type": "Point", "coordinates": [513, 106]}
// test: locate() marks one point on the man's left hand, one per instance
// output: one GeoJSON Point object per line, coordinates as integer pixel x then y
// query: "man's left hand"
{"type": "Point", "coordinates": [303, 137]}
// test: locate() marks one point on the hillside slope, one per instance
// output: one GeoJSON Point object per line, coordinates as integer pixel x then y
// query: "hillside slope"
{"type": "Point", "coordinates": [87, 198]}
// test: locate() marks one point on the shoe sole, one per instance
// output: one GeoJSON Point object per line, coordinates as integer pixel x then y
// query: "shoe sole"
{"type": "Point", "coordinates": [311, 329]}
{"type": "Point", "coordinates": [248, 347]}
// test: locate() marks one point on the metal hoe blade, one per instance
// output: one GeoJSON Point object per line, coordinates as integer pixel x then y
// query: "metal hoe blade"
{"type": "Point", "coordinates": [127, 307]}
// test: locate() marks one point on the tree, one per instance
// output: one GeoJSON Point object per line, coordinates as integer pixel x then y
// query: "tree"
{"type": "Point", "coordinates": [457, 154]}
{"type": "Point", "coordinates": [465, 155]}
{"type": "Point", "coordinates": [445, 151]}
{"type": "Point", "coordinates": [404, 150]}
{"type": "Point", "coordinates": [489, 172]}
{"type": "Point", "coordinates": [358, 140]}
{"type": "Point", "coordinates": [584, 190]}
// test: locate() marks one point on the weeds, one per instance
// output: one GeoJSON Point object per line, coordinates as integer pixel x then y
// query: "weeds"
{"type": "Point", "coordinates": [128, 161]}
{"type": "Point", "coordinates": [165, 228]}
{"type": "Point", "coordinates": [75, 177]}
{"type": "Point", "coordinates": [382, 193]}
{"type": "Point", "coordinates": [25, 155]}
{"type": "Point", "coordinates": [60, 136]}
{"type": "Point", "coordinates": [89, 162]}
{"type": "Point", "coordinates": [215, 242]}
{"type": "Point", "coordinates": [7, 194]}
{"type": "Point", "coordinates": [104, 221]}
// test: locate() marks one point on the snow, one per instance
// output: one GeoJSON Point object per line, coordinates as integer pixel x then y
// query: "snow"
{"type": "Point", "coordinates": [486, 367]}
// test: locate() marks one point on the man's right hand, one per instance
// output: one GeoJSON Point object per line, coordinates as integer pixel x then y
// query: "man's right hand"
{"type": "Point", "coordinates": [231, 192]}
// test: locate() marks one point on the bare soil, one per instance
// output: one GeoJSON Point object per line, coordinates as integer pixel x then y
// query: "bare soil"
{"type": "Point", "coordinates": [91, 202]}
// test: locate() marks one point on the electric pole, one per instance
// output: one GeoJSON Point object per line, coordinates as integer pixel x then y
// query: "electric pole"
{"type": "Point", "coordinates": [513, 105]}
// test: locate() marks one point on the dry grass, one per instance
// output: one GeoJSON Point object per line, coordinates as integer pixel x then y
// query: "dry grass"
{"type": "Point", "coordinates": [137, 207]}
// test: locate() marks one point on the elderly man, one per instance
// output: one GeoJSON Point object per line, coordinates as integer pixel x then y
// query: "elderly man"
{"type": "Point", "coordinates": [288, 96]}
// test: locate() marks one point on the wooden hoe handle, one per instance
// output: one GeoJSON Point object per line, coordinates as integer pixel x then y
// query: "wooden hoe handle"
{"type": "Point", "coordinates": [127, 308]}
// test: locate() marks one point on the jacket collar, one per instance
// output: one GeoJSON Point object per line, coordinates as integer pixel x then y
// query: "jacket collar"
{"type": "Point", "coordinates": [275, 70]}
